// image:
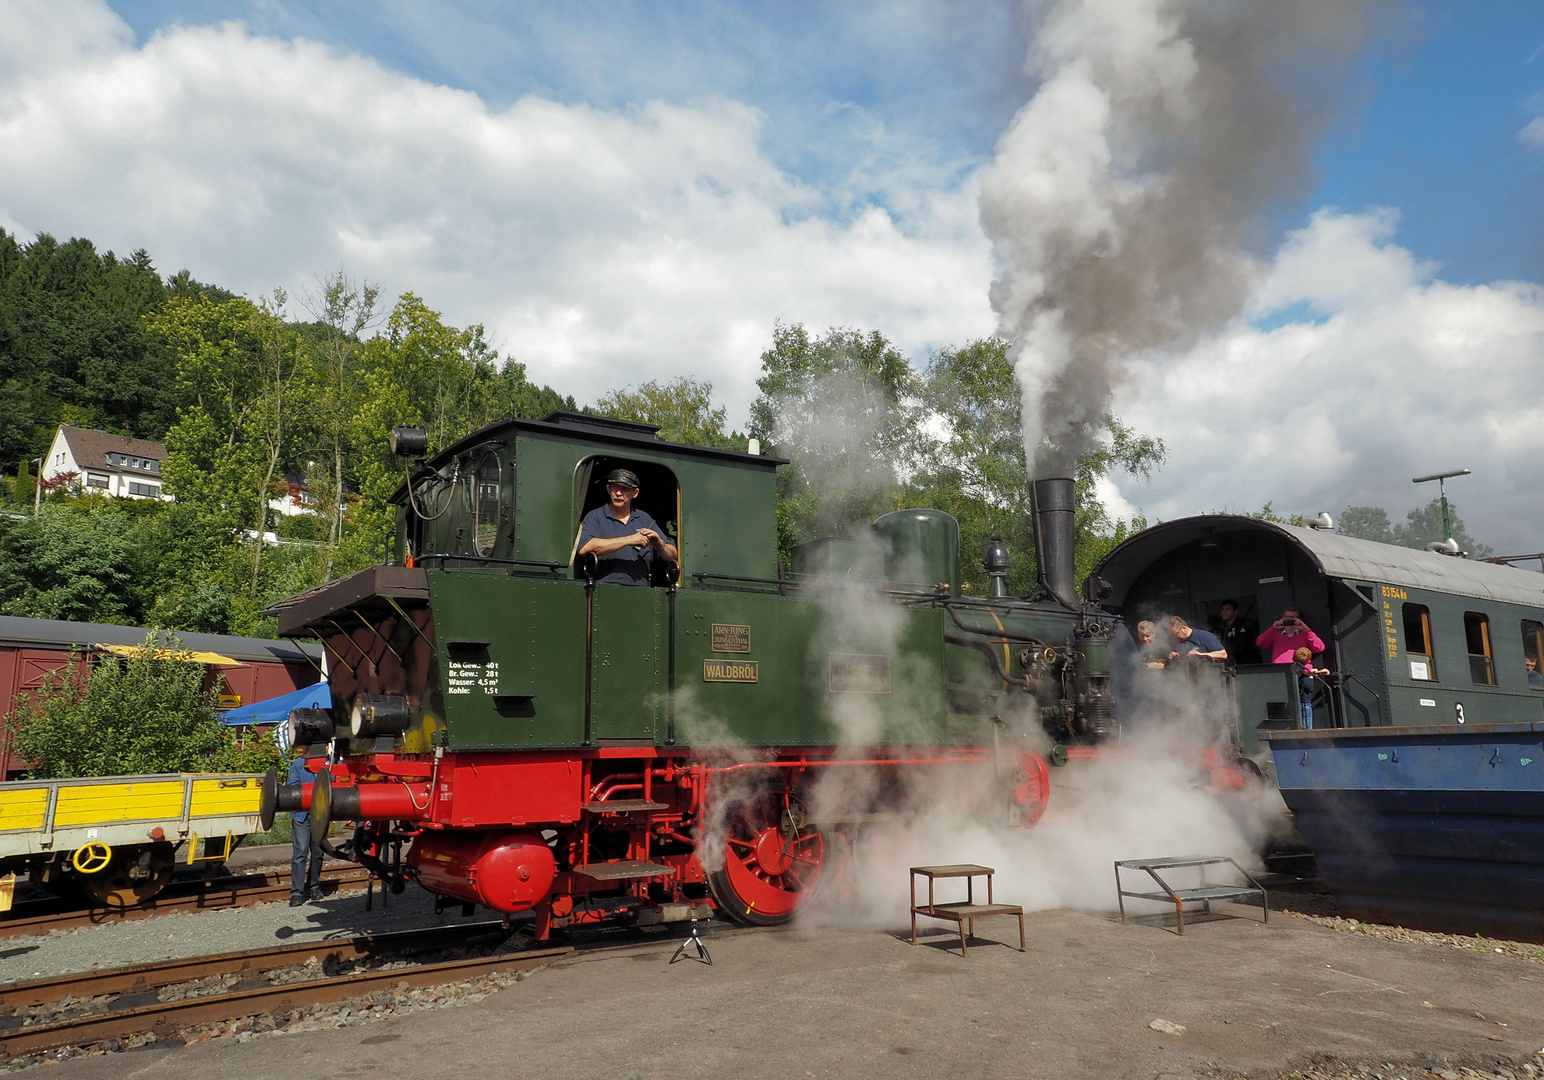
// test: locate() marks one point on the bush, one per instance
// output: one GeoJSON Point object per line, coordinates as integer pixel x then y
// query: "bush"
{"type": "Point", "coordinates": [147, 713]}
{"type": "Point", "coordinates": [247, 751]}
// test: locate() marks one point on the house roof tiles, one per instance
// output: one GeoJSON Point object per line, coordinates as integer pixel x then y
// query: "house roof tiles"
{"type": "Point", "coordinates": [90, 448]}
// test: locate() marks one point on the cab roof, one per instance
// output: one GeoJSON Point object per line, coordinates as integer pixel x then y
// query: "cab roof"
{"type": "Point", "coordinates": [600, 431]}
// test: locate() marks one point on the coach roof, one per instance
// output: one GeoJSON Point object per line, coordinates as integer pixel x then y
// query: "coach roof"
{"type": "Point", "coordinates": [1336, 556]}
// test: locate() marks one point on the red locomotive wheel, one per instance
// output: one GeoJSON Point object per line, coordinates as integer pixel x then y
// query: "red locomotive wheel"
{"type": "Point", "coordinates": [772, 860]}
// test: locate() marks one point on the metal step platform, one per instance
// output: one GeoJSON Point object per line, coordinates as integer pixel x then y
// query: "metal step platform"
{"type": "Point", "coordinates": [623, 806]}
{"type": "Point", "coordinates": [623, 870]}
{"type": "Point", "coordinates": [1204, 893]}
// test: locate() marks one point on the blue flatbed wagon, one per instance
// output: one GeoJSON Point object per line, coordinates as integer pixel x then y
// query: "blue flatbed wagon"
{"type": "Point", "coordinates": [1433, 827]}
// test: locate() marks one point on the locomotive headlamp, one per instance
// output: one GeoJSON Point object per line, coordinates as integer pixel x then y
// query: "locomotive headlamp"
{"type": "Point", "coordinates": [409, 441]}
{"type": "Point", "coordinates": [379, 714]}
{"type": "Point", "coordinates": [307, 726]}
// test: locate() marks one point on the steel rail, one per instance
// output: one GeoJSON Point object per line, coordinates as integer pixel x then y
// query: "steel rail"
{"type": "Point", "coordinates": [167, 1018]}
{"type": "Point", "coordinates": [139, 978]}
{"type": "Point", "coordinates": [209, 896]}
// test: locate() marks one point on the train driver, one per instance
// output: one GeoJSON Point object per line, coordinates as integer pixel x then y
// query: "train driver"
{"type": "Point", "coordinates": [624, 539]}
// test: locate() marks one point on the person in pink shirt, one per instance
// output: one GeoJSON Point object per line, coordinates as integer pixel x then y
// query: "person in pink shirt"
{"type": "Point", "coordinates": [1285, 636]}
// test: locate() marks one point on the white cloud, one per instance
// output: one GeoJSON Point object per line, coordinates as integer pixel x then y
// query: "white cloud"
{"type": "Point", "coordinates": [1406, 375]}
{"type": "Point", "coordinates": [601, 247]}
{"type": "Point", "coordinates": [1532, 133]}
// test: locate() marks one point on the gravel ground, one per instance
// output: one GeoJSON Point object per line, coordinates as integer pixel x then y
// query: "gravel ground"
{"type": "Point", "coordinates": [1387, 1070]}
{"type": "Point", "coordinates": [178, 934]}
{"type": "Point", "coordinates": [1524, 949]}
{"type": "Point", "coordinates": [401, 1000]}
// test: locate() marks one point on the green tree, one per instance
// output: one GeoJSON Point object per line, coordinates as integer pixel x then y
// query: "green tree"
{"type": "Point", "coordinates": [683, 408]}
{"type": "Point", "coordinates": [146, 713]}
{"type": "Point", "coordinates": [69, 562]}
{"type": "Point", "coordinates": [1367, 523]}
{"type": "Point", "coordinates": [1421, 526]}
{"type": "Point", "coordinates": [973, 464]}
{"type": "Point", "coordinates": [843, 408]}
{"type": "Point", "coordinates": [72, 344]}
{"type": "Point", "coordinates": [343, 309]}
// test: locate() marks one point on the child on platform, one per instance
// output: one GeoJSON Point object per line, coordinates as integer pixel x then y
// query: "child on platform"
{"type": "Point", "coordinates": [1302, 660]}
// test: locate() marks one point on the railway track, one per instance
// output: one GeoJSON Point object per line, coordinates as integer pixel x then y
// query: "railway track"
{"type": "Point", "coordinates": [191, 896]}
{"type": "Point", "coordinates": [163, 999]}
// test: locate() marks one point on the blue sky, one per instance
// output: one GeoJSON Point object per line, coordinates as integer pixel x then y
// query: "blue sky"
{"type": "Point", "coordinates": [855, 92]}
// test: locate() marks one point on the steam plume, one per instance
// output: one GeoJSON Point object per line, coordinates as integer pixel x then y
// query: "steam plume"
{"type": "Point", "coordinates": [1128, 197]}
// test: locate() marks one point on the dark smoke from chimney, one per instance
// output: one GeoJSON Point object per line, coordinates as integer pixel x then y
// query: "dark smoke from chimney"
{"type": "Point", "coordinates": [1128, 201]}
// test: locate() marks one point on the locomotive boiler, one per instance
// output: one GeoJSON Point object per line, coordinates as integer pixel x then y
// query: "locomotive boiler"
{"type": "Point", "coordinates": [509, 732]}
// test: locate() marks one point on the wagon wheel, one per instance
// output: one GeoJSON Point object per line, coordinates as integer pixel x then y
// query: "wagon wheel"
{"type": "Point", "coordinates": [772, 859]}
{"type": "Point", "coordinates": [116, 886]}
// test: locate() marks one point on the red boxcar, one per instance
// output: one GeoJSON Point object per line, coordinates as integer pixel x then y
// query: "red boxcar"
{"type": "Point", "coordinates": [31, 648]}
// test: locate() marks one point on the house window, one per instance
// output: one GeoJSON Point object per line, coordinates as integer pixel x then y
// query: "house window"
{"type": "Point", "coordinates": [1423, 665]}
{"type": "Point", "coordinates": [1477, 635]}
{"type": "Point", "coordinates": [1533, 653]}
{"type": "Point", "coordinates": [96, 480]}
{"type": "Point", "coordinates": [149, 490]}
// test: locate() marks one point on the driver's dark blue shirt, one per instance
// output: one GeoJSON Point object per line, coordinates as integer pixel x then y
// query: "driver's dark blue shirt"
{"type": "Point", "coordinates": [625, 566]}
{"type": "Point", "coordinates": [1198, 641]}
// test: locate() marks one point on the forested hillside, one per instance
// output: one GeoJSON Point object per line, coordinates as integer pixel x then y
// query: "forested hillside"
{"type": "Point", "coordinates": [252, 394]}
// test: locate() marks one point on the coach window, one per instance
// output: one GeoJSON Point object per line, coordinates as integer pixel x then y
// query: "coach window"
{"type": "Point", "coordinates": [1533, 653]}
{"type": "Point", "coordinates": [1423, 665]}
{"type": "Point", "coordinates": [1477, 634]}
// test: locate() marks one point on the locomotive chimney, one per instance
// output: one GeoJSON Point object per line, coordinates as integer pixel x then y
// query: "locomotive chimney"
{"type": "Point", "coordinates": [1054, 514]}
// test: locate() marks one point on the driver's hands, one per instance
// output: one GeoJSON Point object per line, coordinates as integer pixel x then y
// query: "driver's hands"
{"type": "Point", "coordinates": [647, 536]}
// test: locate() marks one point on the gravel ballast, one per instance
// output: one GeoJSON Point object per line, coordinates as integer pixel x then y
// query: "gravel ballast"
{"type": "Point", "coordinates": [204, 933]}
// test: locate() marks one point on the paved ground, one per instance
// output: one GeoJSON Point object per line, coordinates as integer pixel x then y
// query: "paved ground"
{"type": "Point", "coordinates": [1255, 1001]}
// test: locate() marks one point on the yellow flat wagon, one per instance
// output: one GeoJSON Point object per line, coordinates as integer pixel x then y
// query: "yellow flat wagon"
{"type": "Point", "coordinates": [119, 837]}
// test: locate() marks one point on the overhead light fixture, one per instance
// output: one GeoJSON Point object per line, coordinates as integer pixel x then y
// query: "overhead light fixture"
{"type": "Point", "coordinates": [1207, 540]}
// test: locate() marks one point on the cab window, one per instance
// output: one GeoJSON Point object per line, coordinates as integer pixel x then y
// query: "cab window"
{"type": "Point", "coordinates": [486, 495]}
{"type": "Point", "coordinates": [1423, 665]}
{"type": "Point", "coordinates": [659, 495]}
{"type": "Point", "coordinates": [1477, 635]}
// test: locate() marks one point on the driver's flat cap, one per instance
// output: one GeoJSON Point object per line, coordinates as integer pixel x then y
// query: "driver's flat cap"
{"type": "Point", "coordinates": [623, 476]}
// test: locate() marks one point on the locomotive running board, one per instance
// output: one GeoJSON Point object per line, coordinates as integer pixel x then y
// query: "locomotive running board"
{"type": "Point", "coordinates": [623, 806]}
{"type": "Point", "coordinates": [623, 870]}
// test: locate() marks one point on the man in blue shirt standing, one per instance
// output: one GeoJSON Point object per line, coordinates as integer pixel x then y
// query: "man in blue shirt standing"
{"type": "Point", "coordinates": [1192, 643]}
{"type": "Point", "coordinates": [305, 882]}
{"type": "Point", "coordinates": [624, 540]}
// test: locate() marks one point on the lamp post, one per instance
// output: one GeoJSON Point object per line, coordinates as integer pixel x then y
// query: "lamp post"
{"type": "Point", "coordinates": [1447, 523]}
{"type": "Point", "coordinates": [37, 494]}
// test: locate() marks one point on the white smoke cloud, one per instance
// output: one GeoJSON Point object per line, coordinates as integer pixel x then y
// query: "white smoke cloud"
{"type": "Point", "coordinates": [600, 246]}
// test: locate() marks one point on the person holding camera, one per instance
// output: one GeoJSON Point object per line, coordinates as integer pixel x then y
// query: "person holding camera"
{"type": "Point", "coordinates": [1280, 640]}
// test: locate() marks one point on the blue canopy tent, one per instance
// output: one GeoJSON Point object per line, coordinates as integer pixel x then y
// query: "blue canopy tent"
{"type": "Point", "coordinates": [277, 710]}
